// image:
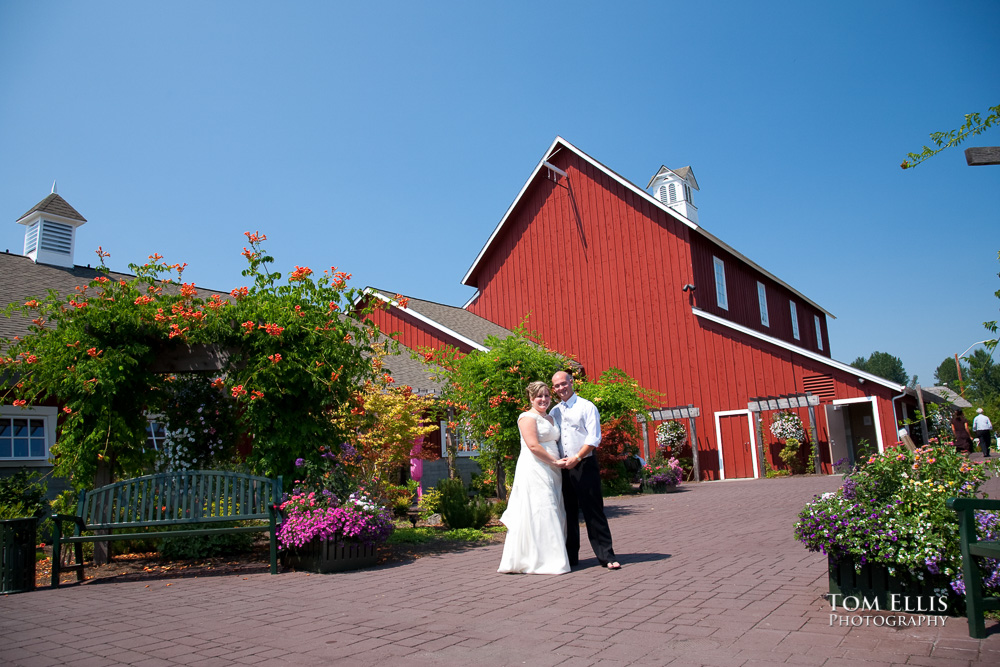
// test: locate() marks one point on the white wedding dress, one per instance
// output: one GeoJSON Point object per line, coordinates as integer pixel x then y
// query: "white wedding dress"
{"type": "Point", "coordinates": [535, 517]}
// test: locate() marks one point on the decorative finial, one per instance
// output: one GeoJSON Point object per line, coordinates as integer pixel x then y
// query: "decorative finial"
{"type": "Point", "coordinates": [54, 188]}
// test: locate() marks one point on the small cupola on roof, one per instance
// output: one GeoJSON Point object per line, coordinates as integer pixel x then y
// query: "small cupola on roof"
{"type": "Point", "coordinates": [50, 234]}
{"type": "Point", "coordinates": [673, 188]}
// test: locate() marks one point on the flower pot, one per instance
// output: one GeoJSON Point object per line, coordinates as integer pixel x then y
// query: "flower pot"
{"type": "Point", "coordinates": [660, 487]}
{"type": "Point", "coordinates": [324, 556]}
{"type": "Point", "coordinates": [892, 592]}
{"type": "Point", "coordinates": [17, 555]}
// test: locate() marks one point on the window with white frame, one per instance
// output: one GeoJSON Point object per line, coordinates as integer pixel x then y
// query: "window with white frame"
{"type": "Point", "coordinates": [156, 432]}
{"type": "Point", "coordinates": [672, 189]}
{"type": "Point", "coordinates": [762, 300]}
{"type": "Point", "coordinates": [465, 446]}
{"type": "Point", "coordinates": [721, 296]}
{"type": "Point", "coordinates": [687, 192]}
{"type": "Point", "coordinates": [819, 332]}
{"type": "Point", "coordinates": [795, 319]}
{"type": "Point", "coordinates": [26, 433]}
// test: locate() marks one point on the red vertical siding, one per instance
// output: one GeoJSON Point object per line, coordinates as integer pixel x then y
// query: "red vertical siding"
{"type": "Point", "coordinates": [411, 332]}
{"type": "Point", "coordinates": [601, 269]}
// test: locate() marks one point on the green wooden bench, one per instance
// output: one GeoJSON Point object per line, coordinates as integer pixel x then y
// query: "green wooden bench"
{"type": "Point", "coordinates": [975, 602]}
{"type": "Point", "coordinates": [174, 499]}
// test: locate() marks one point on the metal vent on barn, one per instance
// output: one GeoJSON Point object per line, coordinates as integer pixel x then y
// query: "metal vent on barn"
{"type": "Point", "coordinates": [820, 385]}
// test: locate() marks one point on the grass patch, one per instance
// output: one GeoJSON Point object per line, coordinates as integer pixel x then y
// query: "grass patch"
{"type": "Point", "coordinates": [465, 535]}
{"type": "Point", "coordinates": [411, 535]}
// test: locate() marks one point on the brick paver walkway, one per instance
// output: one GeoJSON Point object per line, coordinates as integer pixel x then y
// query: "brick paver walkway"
{"type": "Point", "coordinates": [711, 576]}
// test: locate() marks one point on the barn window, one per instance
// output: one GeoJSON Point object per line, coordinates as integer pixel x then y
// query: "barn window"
{"type": "Point", "coordinates": [687, 192]}
{"type": "Point", "coordinates": [762, 300]}
{"type": "Point", "coordinates": [795, 319]}
{"type": "Point", "coordinates": [819, 332]}
{"type": "Point", "coordinates": [673, 192]}
{"type": "Point", "coordinates": [663, 194]}
{"type": "Point", "coordinates": [720, 284]}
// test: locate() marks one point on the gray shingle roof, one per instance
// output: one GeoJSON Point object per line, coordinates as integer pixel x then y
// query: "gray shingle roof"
{"type": "Point", "coordinates": [21, 279]}
{"type": "Point", "coordinates": [456, 319]}
{"type": "Point", "coordinates": [55, 205]}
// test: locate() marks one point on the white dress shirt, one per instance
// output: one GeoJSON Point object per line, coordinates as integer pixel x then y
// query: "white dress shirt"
{"type": "Point", "coordinates": [579, 425]}
{"type": "Point", "coordinates": [982, 423]}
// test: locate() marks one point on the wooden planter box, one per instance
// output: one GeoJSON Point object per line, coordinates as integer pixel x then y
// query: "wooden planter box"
{"type": "Point", "coordinates": [874, 582]}
{"type": "Point", "coordinates": [660, 488]}
{"type": "Point", "coordinates": [324, 557]}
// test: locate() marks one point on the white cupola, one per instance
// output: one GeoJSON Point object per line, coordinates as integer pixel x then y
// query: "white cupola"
{"type": "Point", "coordinates": [50, 234]}
{"type": "Point", "coordinates": [673, 188]}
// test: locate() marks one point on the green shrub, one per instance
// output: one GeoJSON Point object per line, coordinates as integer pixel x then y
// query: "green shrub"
{"type": "Point", "coordinates": [206, 546]}
{"type": "Point", "coordinates": [25, 491]}
{"type": "Point", "coordinates": [14, 511]}
{"type": "Point", "coordinates": [498, 508]}
{"type": "Point", "coordinates": [460, 511]}
{"type": "Point", "coordinates": [617, 484]}
{"type": "Point", "coordinates": [430, 503]}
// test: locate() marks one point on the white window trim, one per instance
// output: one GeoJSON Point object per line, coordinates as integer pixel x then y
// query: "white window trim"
{"type": "Point", "coordinates": [794, 312]}
{"type": "Point", "coordinates": [753, 441]}
{"type": "Point", "coordinates": [819, 332]}
{"type": "Point", "coordinates": [721, 295]}
{"type": "Point", "coordinates": [762, 302]}
{"type": "Point", "coordinates": [49, 414]}
{"type": "Point", "coordinates": [465, 447]}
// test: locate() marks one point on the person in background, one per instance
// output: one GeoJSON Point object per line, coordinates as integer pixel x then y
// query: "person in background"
{"type": "Point", "coordinates": [982, 428]}
{"type": "Point", "coordinates": [963, 435]}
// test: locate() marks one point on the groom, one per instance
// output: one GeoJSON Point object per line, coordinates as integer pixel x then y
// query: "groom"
{"type": "Point", "coordinates": [580, 434]}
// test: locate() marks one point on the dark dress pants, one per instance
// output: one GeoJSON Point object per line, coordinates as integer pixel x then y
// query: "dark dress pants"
{"type": "Point", "coordinates": [582, 492]}
{"type": "Point", "coordinates": [984, 441]}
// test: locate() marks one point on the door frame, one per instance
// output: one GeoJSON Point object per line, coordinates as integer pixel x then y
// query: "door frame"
{"type": "Point", "coordinates": [878, 421]}
{"type": "Point", "coordinates": [750, 432]}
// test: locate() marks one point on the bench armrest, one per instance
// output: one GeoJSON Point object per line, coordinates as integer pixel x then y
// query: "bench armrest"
{"type": "Point", "coordinates": [59, 518]}
{"type": "Point", "coordinates": [960, 504]}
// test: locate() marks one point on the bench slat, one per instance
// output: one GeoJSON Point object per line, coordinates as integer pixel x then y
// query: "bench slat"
{"type": "Point", "coordinates": [176, 499]}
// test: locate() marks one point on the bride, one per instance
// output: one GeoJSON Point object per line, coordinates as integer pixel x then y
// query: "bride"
{"type": "Point", "coordinates": [535, 518]}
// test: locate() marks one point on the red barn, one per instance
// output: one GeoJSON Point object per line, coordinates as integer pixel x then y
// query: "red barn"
{"type": "Point", "coordinates": [619, 277]}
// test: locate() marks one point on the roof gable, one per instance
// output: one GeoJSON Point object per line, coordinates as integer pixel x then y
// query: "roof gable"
{"type": "Point", "coordinates": [560, 144]}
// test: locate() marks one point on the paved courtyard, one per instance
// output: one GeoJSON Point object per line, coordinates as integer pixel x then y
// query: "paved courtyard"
{"type": "Point", "coordinates": [712, 576]}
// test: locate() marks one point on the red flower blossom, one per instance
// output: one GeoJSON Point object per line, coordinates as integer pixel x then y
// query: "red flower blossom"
{"type": "Point", "coordinates": [238, 391]}
{"type": "Point", "coordinates": [143, 300]}
{"type": "Point", "coordinates": [94, 352]}
{"type": "Point", "coordinates": [275, 358]}
{"type": "Point", "coordinates": [68, 410]}
{"type": "Point", "coordinates": [248, 326]}
{"type": "Point", "coordinates": [31, 304]}
{"type": "Point", "coordinates": [272, 329]}
{"type": "Point", "coordinates": [239, 292]}
{"type": "Point", "coordinates": [300, 273]}
{"type": "Point", "coordinates": [20, 403]}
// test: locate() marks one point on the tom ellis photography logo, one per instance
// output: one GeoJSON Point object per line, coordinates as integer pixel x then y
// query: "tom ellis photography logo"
{"type": "Point", "coordinates": [904, 610]}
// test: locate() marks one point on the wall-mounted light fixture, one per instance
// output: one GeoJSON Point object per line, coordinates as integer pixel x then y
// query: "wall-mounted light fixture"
{"type": "Point", "coordinates": [688, 288]}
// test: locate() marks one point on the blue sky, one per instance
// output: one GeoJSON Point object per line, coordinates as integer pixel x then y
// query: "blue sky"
{"type": "Point", "coordinates": [388, 139]}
